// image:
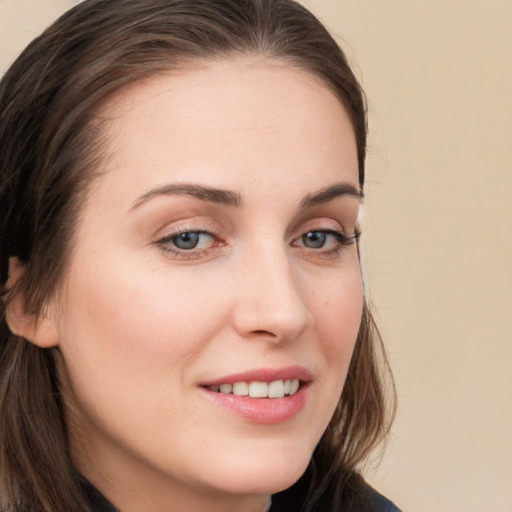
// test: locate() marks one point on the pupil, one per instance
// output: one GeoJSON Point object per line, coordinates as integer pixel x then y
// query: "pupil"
{"type": "Point", "coordinates": [186, 240]}
{"type": "Point", "coordinates": [314, 239]}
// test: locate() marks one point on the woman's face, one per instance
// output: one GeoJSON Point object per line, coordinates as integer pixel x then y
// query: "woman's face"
{"type": "Point", "coordinates": [214, 255]}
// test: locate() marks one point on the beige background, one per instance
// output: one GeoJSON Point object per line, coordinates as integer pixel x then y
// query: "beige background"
{"type": "Point", "coordinates": [438, 231]}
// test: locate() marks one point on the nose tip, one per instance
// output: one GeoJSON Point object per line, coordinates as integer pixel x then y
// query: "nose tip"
{"type": "Point", "coordinates": [270, 305]}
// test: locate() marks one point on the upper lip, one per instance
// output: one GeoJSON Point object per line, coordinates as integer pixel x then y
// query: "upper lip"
{"type": "Point", "coordinates": [263, 375]}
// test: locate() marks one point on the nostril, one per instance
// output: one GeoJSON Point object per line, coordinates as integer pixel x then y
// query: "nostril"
{"type": "Point", "coordinates": [262, 332]}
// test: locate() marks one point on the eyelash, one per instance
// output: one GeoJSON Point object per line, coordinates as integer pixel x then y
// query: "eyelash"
{"type": "Point", "coordinates": [342, 240]}
{"type": "Point", "coordinates": [166, 242]}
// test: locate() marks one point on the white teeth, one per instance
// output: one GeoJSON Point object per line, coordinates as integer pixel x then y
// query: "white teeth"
{"type": "Point", "coordinates": [241, 388]}
{"type": "Point", "coordinates": [226, 388]}
{"type": "Point", "coordinates": [274, 389]}
{"type": "Point", "coordinates": [258, 390]}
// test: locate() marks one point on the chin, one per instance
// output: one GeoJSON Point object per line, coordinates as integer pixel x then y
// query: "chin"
{"type": "Point", "coordinates": [262, 475]}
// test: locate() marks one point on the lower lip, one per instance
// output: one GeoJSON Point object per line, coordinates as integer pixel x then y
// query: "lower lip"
{"type": "Point", "coordinates": [264, 411]}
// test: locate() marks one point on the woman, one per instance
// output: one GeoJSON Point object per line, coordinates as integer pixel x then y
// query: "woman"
{"type": "Point", "coordinates": [184, 326]}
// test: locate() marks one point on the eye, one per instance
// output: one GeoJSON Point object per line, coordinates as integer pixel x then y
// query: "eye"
{"type": "Point", "coordinates": [188, 243]}
{"type": "Point", "coordinates": [327, 240]}
{"type": "Point", "coordinates": [189, 240]}
{"type": "Point", "coordinates": [315, 239]}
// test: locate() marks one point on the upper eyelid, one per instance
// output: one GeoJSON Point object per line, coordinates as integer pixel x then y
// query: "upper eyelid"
{"type": "Point", "coordinates": [317, 224]}
{"type": "Point", "coordinates": [187, 225]}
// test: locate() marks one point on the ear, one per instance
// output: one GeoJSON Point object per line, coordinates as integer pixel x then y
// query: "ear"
{"type": "Point", "coordinates": [41, 330]}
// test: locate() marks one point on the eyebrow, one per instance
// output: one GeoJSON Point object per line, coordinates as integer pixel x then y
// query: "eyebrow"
{"type": "Point", "coordinates": [213, 195]}
{"type": "Point", "coordinates": [234, 199]}
{"type": "Point", "coordinates": [332, 192]}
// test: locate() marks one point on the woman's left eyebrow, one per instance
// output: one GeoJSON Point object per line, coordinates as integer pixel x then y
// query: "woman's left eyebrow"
{"type": "Point", "coordinates": [329, 193]}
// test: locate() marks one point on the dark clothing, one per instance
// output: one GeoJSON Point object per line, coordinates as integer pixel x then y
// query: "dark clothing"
{"type": "Point", "coordinates": [367, 500]}
{"type": "Point", "coordinates": [338, 494]}
{"type": "Point", "coordinates": [379, 502]}
{"type": "Point", "coordinates": [97, 502]}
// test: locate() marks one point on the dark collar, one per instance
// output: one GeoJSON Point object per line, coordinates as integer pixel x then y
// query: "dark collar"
{"type": "Point", "coordinates": [96, 501]}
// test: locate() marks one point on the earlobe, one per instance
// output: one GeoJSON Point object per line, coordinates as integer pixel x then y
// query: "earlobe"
{"type": "Point", "coordinates": [41, 330]}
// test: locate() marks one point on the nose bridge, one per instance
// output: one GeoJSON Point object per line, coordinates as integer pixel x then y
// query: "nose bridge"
{"type": "Point", "coordinates": [270, 300]}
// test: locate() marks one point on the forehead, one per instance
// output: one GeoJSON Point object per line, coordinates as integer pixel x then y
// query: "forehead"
{"type": "Point", "coordinates": [218, 118]}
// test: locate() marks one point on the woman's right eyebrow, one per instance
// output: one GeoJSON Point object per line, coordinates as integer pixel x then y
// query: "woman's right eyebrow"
{"type": "Point", "coordinates": [213, 195]}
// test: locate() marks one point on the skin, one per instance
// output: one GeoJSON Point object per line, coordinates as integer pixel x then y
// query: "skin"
{"type": "Point", "coordinates": [140, 324]}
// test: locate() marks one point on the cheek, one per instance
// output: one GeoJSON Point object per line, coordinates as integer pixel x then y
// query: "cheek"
{"type": "Point", "coordinates": [337, 314]}
{"type": "Point", "coordinates": [133, 332]}
{"type": "Point", "coordinates": [337, 306]}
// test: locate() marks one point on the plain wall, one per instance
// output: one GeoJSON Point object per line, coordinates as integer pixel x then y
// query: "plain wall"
{"type": "Point", "coordinates": [437, 231]}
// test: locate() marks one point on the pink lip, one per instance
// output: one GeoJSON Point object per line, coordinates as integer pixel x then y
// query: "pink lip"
{"type": "Point", "coordinates": [263, 411]}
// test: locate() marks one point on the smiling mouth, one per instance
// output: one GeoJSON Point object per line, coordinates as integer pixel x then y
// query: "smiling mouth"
{"type": "Point", "coordinates": [257, 389]}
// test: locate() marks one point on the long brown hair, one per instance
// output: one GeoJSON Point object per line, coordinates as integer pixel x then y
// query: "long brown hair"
{"type": "Point", "coordinates": [51, 150]}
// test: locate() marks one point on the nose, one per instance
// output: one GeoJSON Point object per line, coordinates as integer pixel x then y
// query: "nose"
{"type": "Point", "coordinates": [270, 303]}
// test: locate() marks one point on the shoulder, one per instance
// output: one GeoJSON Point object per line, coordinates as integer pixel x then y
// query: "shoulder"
{"type": "Point", "coordinates": [377, 502]}
{"type": "Point", "coordinates": [362, 497]}
{"type": "Point", "coordinates": [352, 494]}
